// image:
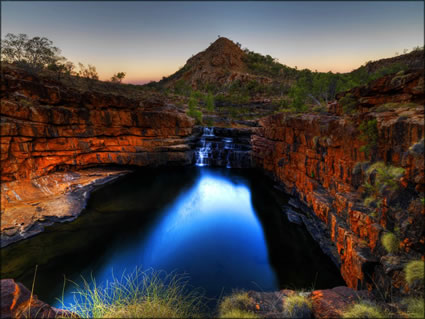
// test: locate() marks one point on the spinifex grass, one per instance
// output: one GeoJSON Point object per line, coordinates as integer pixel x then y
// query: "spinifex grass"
{"type": "Point", "coordinates": [140, 294]}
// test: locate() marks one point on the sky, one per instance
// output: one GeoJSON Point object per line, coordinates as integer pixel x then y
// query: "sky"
{"type": "Point", "coordinates": [149, 40]}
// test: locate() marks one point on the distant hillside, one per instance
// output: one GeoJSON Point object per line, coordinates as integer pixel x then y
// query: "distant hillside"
{"type": "Point", "coordinates": [223, 63]}
{"type": "Point", "coordinates": [412, 60]}
{"type": "Point", "coordinates": [242, 75]}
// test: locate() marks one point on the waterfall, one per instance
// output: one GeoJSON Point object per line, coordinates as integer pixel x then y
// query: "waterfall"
{"type": "Point", "coordinates": [203, 153]}
{"type": "Point", "coordinates": [216, 148]}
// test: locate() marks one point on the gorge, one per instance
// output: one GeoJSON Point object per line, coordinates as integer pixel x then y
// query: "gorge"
{"type": "Point", "coordinates": [147, 158]}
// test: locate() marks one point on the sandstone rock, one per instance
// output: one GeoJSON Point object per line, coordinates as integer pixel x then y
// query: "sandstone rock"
{"type": "Point", "coordinates": [28, 206]}
{"type": "Point", "coordinates": [318, 159]}
{"type": "Point", "coordinates": [18, 302]}
{"type": "Point", "coordinates": [331, 303]}
{"type": "Point", "coordinates": [45, 128]}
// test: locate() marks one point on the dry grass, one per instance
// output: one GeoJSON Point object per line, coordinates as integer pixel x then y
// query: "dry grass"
{"type": "Point", "coordinates": [140, 294]}
{"type": "Point", "coordinates": [363, 310]}
{"type": "Point", "coordinates": [235, 306]}
{"type": "Point", "coordinates": [390, 242]}
{"type": "Point", "coordinates": [414, 271]}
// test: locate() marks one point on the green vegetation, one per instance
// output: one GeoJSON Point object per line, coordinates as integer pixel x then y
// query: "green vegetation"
{"type": "Point", "coordinates": [363, 310]}
{"type": "Point", "coordinates": [415, 308]}
{"type": "Point", "coordinates": [348, 103]}
{"type": "Point", "coordinates": [147, 294]}
{"type": "Point", "coordinates": [209, 102]}
{"type": "Point", "coordinates": [296, 304]}
{"type": "Point", "coordinates": [192, 111]}
{"type": "Point", "coordinates": [235, 306]}
{"type": "Point", "coordinates": [267, 66]}
{"type": "Point", "coordinates": [181, 87]}
{"type": "Point", "coordinates": [369, 135]}
{"type": "Point", "coordinates": [396, 105]}
{"type": "Point", "coordinates": [414, 271]}
{"type": "Point", "coordinates": [385, 179]}
{"type": "Point", "coordinates": [390, 242]}
{"type": "Point", "coordinates": [236, 313]}
{"type": "Point", "coordinates": [118, 77]}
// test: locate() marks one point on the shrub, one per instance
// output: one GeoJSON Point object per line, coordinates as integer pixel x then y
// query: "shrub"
{"type": "Point", "coordinates": [414, 271]}
{"type": "Point", "coordinates": [319, 109]}
{"type": "Point", "coordinates": [348, 103]}
{"type": "Point", "coordinates": [415, 307]}
{"type": "Point", "coordinates": [297, 306]}
{"type": "Point", "coordinates": [363, 310]}
{"type": "Point", "coordinates": [209, 102]}
{"type": "Point", "coordinates": [386, 179]}
{"type": "Point", "coordinates": [193, 112]}
{"type": "Point", "coordinates": [141, 294]}
{"type": "Point", "coordinates": [235, 306]}
{"type": "Point", "coordinates": [369, 135]}
{"type": "Point", "coordinates": [390, 242]}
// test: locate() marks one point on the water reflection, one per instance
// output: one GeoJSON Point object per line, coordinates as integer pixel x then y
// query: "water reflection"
{"type": "Point", "coordinates": [209, 232]}
{"type": "Point", "coordinates": [223, 227]}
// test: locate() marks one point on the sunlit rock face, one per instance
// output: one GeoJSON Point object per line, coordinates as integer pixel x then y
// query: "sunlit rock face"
{"type": "Point", "coordinates": [317, 157]}
{"type": "Point", "coordinates": [46, 126]}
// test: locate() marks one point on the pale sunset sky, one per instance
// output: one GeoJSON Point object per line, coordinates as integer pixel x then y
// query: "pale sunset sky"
{"type": "Point", "coordinates": [149, 40]}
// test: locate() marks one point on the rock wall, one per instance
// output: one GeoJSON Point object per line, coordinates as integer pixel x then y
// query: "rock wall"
{"type": "Point", "coordinates": [318, 158]}
{"type": "Point", "coordinates": [46, 127]}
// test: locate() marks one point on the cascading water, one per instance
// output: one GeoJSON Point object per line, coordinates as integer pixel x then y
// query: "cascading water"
{"type": "Point", "coordinates": [216, 148]}
{"type": "Point", "coordinates": [203, 154]}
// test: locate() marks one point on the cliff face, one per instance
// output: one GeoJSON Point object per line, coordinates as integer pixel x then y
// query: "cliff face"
{"type": "Point", "coordinates": [46, 127]}
{"type": "Point", "coordinates": [318, 157]}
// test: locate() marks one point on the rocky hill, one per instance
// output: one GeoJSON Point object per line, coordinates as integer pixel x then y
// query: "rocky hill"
{"type": "Point", "coordinates": [412, 60]}
{"type": "Point", "coordinates": [223, 62]}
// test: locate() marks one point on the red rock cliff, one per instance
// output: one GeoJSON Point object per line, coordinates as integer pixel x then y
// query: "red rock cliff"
{"type": "Point", "coordinates": [318, 157]}
{"type": "Point", "coordinates": [45, 127]}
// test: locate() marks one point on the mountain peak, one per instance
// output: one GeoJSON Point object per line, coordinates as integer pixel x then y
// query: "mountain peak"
{"type": "Point", "coordinates": [223, 53]}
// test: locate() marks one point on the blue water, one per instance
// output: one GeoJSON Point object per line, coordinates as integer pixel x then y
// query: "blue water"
{"type": "Point", "coordinates": [224, 228]}
{"type": "Point", "coordinates": [208, 232]}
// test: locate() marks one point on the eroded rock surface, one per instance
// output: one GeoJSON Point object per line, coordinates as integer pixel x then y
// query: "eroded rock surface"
{"type": "Point", "coordinates": [45, 126]}
{"type": "Point", "coordinates": [27, 206]}
{"type": "Point", "coordinates": [318, 157]}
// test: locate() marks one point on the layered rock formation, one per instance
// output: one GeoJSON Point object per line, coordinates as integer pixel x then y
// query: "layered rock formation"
{"type": "Point", "coordinates": [46, 127]}
{"type": "Point", "coordinates": [318, 158]}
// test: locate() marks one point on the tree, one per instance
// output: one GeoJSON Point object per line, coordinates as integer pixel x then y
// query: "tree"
{"type": "Point", "coordinates": [13, 47]}
{"type": "Point", "coordinates": [192, 111]}
{"type": "Point", "coordinates": [37, 52]}
{"type": "Point", "coordinates": [89, 73]}
{"type": "Point", "coordinates": [40, 52]}
{"type": "Point", "coordinates": [118, 77]}
{"type": "Point", "coordinates": [209, 102]}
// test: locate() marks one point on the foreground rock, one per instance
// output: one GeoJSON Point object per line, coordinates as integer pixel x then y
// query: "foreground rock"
{"type": "Point", "coordinates": [27, 206]}
{"type": "Point", "coordinates": [18, 302]}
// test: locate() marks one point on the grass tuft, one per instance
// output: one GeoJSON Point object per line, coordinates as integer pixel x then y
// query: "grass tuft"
{"type": "Point", "coordinates": [297, 306]}
{"type": "Point", "coordinates": [235, 306]}
{"type": "Point", "coordinates": [363, 310]}
{"type": "Point", "coordinates": [414, 271]}
{"type": "Point", "coordinates": [140, 294]}
{"type": "Point", "coordinates": [237, 313]}
{"type": "Point", "coordinates": [415, 307]}
{"type": "Point", "coordinates": [390, 242]}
